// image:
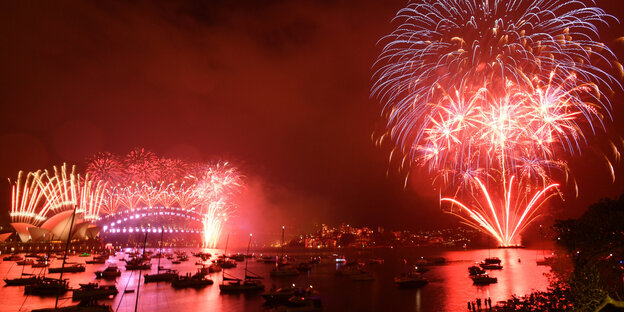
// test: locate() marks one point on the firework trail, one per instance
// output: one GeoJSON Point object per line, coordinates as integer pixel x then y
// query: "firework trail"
{"type": "Point", "coordinates": [479, 92]}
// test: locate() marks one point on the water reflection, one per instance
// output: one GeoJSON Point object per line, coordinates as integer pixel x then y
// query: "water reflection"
{"type": "Point", "coordinates": [449, 289]}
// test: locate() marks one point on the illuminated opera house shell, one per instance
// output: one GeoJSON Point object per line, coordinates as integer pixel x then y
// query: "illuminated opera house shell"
{"type": "Point", "coordinates": [57, 228]}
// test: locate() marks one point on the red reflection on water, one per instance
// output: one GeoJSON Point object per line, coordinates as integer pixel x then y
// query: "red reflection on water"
{"type": "Point", "coordinates": [449, 289]}
{"type": "Point", "coordinates": [516, 278]}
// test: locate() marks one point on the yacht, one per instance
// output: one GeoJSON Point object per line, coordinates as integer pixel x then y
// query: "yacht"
{"type": "Point", "coordinates": [196, 281]}
{"type": "Point", "coordinates": [280, 295]}
{"type": "Point", "coordinates": [47, 287]}
{"type": "Point", "coordinates": [492, 260]}
{"type": "Point", "coordinates": [483, 279]}
{"type": "Point", "coordinates": [304, 267]}
{"type": "Point", "coordinates": [165, 276]}
{"type": "Point", "coordinates": [491, 266]}
{"type": "Point", "coordinates": [251, 282]}
{"type": "Point", "coordinates": [41, 264]}
{"type": "Point", "coordinates": [97, 260]}
{"type": "Point", "coordinates": [110, 272]}
{"type": "Point", "coordinates": [72, 268]}
{"type": "Point", "coordinates": [138, 264]}
{"type": "Point", "coordinates": [283, 268]}
{"type": "Point", "coordinates": [240, 286]}
{"type": "Point", "coordinates": [13, 258]}
{"type": "Point", "coordinates": [475, 270]}
{"type": "Point", "coordinates": [410, 280]}
{"type": "Point", "coordinates": [94, 291]}
{"type": "Point", "coordinates": [26, 262]}
{"type": "Point", "coordinates": [21, 281]}
{"type": "Point", "coordinates": [362, 276]}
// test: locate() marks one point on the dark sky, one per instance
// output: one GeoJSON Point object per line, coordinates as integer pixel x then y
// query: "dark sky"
{"type": "Point", "coordinates": [281, 88]}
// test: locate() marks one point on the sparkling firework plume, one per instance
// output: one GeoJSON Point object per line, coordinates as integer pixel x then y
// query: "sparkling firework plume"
{"type": "Point", "coordinates": [151, 181]}
{"type": "Point", "coordinates": [217, 187]}
{"type": "Point", "coordinates": [43, 194]}
{"type": "Point", "coordinates": [481, 92]}
{"type": "Point", "coordinates": [140, 182]}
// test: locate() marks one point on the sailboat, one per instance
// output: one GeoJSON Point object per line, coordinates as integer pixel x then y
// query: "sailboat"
{"type": "Point", "coordinates": [167, 275]}
{"type": "Point", "coordinates": [282, 267]}
{"type": "Point", "coordinates": [251, 282]}
{"type": "Point", "coordinates": [223, 261]}
{"type": "Point", "coordinates": [52, 286]}
{"type": "Point", "coordinates": [22, 280]}
{"type": "Point", "coordinates": [491, 263]}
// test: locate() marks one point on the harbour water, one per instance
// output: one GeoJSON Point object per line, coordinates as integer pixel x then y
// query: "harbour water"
{"type": "Point", "coordinates": [449, 288]}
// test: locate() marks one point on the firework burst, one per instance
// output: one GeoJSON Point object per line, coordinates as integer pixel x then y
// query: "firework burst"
{"type": "Point", "coordinates": [484, 91]}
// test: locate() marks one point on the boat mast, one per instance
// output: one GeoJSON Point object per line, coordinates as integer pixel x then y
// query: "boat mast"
{"type": "Point", "coordinates": [136, 302]}
{"type": "Point", "coordinates": [160, 251]}
{"type": "Point", "coordinates": [227, 240]}
{"type": "Point", "coordinates": [246, 256]}
{"type": "Point", "coordinates": [71, 225]}
{"type": "Point", "coordinates": [283, 242]}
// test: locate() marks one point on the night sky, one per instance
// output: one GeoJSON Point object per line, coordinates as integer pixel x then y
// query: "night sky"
{"type": "Point", "coordinates": [280, 88]}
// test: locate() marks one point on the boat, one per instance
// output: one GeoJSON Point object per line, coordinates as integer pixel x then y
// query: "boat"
{"type": "Point", "coordinates": [238, 257]}
{"type": "Point", "coordinates": [94, 291]}
{"type": "Point", "coordinates": [410, 280]}
{"type": "Point", "coordinates": [282, 267]}
{"type": "Point", "coordinates": [47, 287]}
{"type": "Point", "coordinates": [72, 268]}
{"type": "Point", "coordinates": [84, 254]}
{"type": "Point", "coordinates": [267, 259]}
{"type": "Point", "coordinates": [492, 266]}
{"type": "Point", "coordinates": [197, 280]}
{"type": "Point", "coordinates": [240, 286]}
{"type": "Point", "coordinates": [97, 260]}
{"type": "Point", "coordinates": [13, 258]}
{"type": "Point", "coordinates": [226, 263]}
{"type": "Point", "coordinates": [83, 306]}
{"type": "Point", "coordinates": [304, 267]}
{"type": "Point", "coordinates": [362, 276]}
{"type": "Point", "coordinates": [110, 272]}
{"type": "Point", "coordinates": [26, 262]}
{"type": "Point", "coordinates": [41, 264]}
{"type": "Point", "coordinates": [421, 269]}
{"type": "Point", "coordinates": [251, 283]}
{"type": "Point", "coordinates": [176, 262]}
{"type": "Point", "coordinates": [214, 268]}
{"type": "Point", "coordinates": [307, 303]}
{"type": "Point", "coordinates": [348, 269]}
{"type": "Point", "coordinates": [138, 264]}
{"type": "Point", "coordinates": [285, 270]}
{"type": "Point", "coordinates": [483, 279]}
{"type": "Point", "coordinates": [492, 260]}
{"type": "Point", "coordinates": [21, 281]}
{"type": "Point", "coordinates": [167, 276]}
{"type": "Point", "coordinates": [475, 270]}
{"type": "Point", "coordinates": [280, 295]}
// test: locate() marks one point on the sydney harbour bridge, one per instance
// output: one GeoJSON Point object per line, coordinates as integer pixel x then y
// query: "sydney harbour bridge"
{"type": "Point", "coordinates": [47, 204]}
